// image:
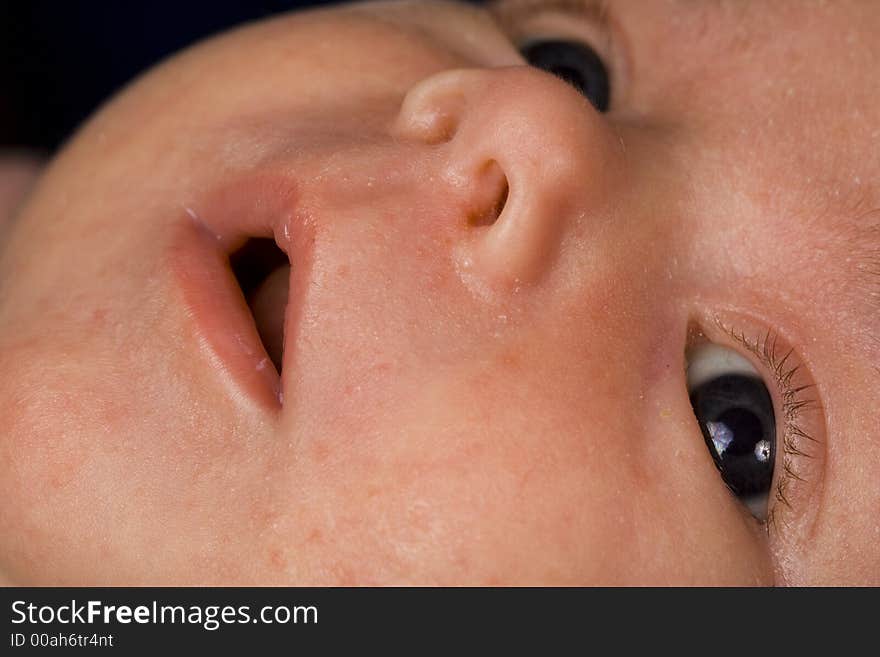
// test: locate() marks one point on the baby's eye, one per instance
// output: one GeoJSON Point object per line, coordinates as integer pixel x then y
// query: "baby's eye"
{"type": "Point", "coordinates": [735, 412]}
{"type": "Point", "coordinates": [574, 62]}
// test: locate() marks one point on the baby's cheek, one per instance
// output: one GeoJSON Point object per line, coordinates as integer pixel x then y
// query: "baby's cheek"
{"type": "Point", "coordinates": [479, 486]}
{"type": "Point", "coordinates": [46, 462]}
{"type": "Point", "coordinates": [17, 175]}
{"type": "Point", "coordinates": [482, 522]}
{"type": "Point", "coordinates": [111, 469]}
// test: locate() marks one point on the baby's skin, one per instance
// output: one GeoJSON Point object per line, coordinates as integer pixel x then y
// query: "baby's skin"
{"type": "Point", "coordinates": [494, 356]}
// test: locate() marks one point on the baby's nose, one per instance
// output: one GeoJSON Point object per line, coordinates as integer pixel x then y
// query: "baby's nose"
{"type": "Point", "coordinates": [537, 159]}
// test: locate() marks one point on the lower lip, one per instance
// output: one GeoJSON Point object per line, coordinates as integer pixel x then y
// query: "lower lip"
{"type": "Point", "coordinates": [257, 206]}
{"type": "Point", "coordinates": [223, 322]}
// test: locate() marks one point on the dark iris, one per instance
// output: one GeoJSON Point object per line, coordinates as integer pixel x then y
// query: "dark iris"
{"type": "Point", "coordinates": [575, 63]}
{"type": "Point", "coordinates": [736, 416]}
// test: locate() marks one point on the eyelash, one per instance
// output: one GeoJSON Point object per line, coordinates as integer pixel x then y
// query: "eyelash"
{"type": "Point", "coordinates": [511, 13]}
{"type": "Point", "coordinates": [784, 368]}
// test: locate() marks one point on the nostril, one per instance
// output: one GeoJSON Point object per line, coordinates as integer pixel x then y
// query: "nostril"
{"type": "Point", "coordinates": [437, 128]}
{"type": "Point", "coordinates": [491, 195]}
{"type": "Point", "coordinates": [432, 109]}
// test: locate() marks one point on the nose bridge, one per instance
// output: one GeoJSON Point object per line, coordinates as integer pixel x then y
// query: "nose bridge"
{"type": "Point", "coordinates": [558, 157]}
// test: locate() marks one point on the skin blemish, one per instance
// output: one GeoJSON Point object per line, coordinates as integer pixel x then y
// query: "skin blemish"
{"type": "Point", "coordinates": [276, 559]}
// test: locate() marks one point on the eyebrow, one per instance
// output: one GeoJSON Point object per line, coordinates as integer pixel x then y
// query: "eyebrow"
{"type": "Point", "coordinates": [856, 223]}
{"type": "Point", "coordinates": [868, 242]}
{"type": "Point", "coordinates": [858, 246]}
{"type": "Point", "coordinates": [871, 271]}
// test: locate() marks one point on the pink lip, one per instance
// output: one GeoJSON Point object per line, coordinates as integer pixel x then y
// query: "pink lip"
{"type": "Point", "coordinates": [209, 230]}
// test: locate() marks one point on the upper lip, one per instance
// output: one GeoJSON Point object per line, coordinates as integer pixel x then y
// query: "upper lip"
{"type": "Point", "coordinates": [208, 230]}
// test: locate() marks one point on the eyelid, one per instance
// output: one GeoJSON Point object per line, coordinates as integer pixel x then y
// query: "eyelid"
{"type": "Point", "coordinates": [518, 10]}
{"type": "Point", "coordinates": [587, 21]}
{"type": "Point", "coordinates": [801, 435]}
{"type": "Point", "coordinates": [521, 19]}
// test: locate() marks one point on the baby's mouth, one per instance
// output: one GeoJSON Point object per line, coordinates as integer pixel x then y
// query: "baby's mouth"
{"type": "Point", "coordinates": [263, 274]}
{"type": "Point", "coordinates": [241, 252]}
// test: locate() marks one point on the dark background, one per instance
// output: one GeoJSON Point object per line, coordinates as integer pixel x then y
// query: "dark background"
{"type": "Point", "coordinates": [60, 59]}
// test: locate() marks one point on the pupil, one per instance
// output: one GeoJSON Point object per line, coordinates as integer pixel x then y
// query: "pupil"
{"type": "Point", "coordinates": [571, 76]}
{"type": "Point", "coordinates": [744, 429]}
{"type": "Point", "coordinates": [574, 63]}
{"type": "Point", "coordinates": [738, 424]}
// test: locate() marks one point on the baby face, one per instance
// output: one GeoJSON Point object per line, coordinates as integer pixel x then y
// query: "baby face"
{"type": "Point", "coordinates": [421, 292]}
